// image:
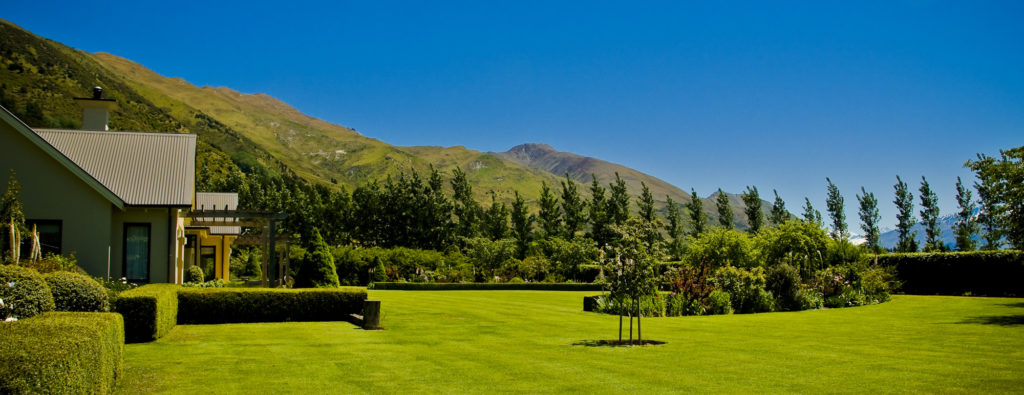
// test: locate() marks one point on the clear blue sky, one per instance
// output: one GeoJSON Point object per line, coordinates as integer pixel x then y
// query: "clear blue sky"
{"type": "Point", "coordinates": [700, 94]}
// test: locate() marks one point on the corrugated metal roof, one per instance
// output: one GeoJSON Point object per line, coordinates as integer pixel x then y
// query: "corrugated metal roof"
{"type": "Point", "coordinates": [142, 169]}
{"type": "Point", "coordinates": [219, 201]}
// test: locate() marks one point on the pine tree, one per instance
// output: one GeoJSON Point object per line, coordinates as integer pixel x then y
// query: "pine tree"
{"type": "Point", "coordinates": [496, 224]}
{"type": "Point", "coordinates": [779, 214]}
{"type": "Point", "coordinates": [674, 228]}
{"type": "Point", "coordinates": [724, 210]}
{"type": "Point", "coordinates": [835, 205]}
{"type": "Point", "coordinates": [966, 224]}
{"type": "Point", "coordinates": [698, 220]}
{"type": "Point", "coordinates": [467, 210]}
{"type": "Point", "coordinates": [572, 208]}
{"type": "Point", "coordinates": [1003, 181]}
{"type": "Point", "coordinates": [549, 216]}
{"type": "Point", "coordinates": [752, 203]}
{"type": "Point", "coordinates": [930, 217]}
{"type": "Point", "coordinates": [869, 218]}
{"type": "Point", "coordinates": [522, 223]}
{"type": "Point", "coordinates": [618, 202]}
{"type": "Point", "coordinates": [600, 217]}
{"type": "Point", "coordinates": [810, 214]}
{"type": "Point", "coordinates": [318, 269]}
{"type": "Point", "coordinates": [645, 206]}
{"type": "Point", "coordinates": [905, 217]}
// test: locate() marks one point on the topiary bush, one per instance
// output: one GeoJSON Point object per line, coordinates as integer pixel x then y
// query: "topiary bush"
{"type": "Point", "coordinates": [149, 311]}
{"type": "Point", "coordinates": [194, 274]}
{"type": "Point", "coordinates": [317, 269]}
{"type": "Point", "coordinates": [24, 292]}
{"type": "Point", "coordinates": [76, 292]}
{"type": "Point", "coordinates": [232, 305]}
{"type": "Point", "coordinates": [62, 352]}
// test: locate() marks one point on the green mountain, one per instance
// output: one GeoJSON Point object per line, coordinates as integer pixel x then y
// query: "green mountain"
{"type": "Point", "coordinates": [256, 132]}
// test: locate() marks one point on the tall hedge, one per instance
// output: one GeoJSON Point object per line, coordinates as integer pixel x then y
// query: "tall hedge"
{"type": "Point", "coordinates": [488, 286]}
{"type": "Point", "coordinates": [230, 305]}
{"type": "Point", "coordinates": [62, 352]}
{"type": "Point", "coordinates": [991, 273]}
{"type": "Point", "coordinates": [149, 311]}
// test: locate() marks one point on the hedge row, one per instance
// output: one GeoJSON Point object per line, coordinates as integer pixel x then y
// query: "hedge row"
{"type": "Point", "coordinates": [149, 311]}
{"type": "Point", "coordinates": [488, 286]}
{"type": "Point", "coordinates": [992, 273]}
{"type": "Point", "coordinates": [233, 305]}
{"type": "Point", "coordinates": [62, 352]}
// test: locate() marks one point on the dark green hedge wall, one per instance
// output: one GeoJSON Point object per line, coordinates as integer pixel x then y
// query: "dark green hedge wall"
{"type": "Point", "coordinates": [149, 311]}
{"type": "Point", "coordinates": [230, 305]}
{"type": "Point", "coordinates": [488, 286]}
{"type": "Point", "coordinates": [62, 352]}
{"type": "Point", "coordinates": [991, 273]}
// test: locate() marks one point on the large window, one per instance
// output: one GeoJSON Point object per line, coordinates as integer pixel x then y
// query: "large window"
{"type": "Point", "coordinates": [49, 236]}
{"type": "Point", "coordinates": [136, 252]}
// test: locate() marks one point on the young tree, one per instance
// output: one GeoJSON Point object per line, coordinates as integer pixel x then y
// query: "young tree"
{"type": "Point", "coordinates": [618, 202]}
{"type": "Point", "coordinates": [572, 208]}
{"type": "Point", "coordinates": [779, 214]}
{"type": "Point", "coordinates": [549, 216]}
{"type": "Point", "coordinates": [905, 217]}
{"type": "Point", "coordinates": [836, 211]}
{"type": "Point", "coordinates": [752, 201]}
{"type": "Point", "coordinates": [966, 224]}
{"type": "Point", "coordinates": [631, 273]}
{"type": "Point", "coordinates": [810, 214]}
{"type": "Point", "coordinates": [724, 210]}
{"type": "Point", "coordinates": [1003, 180]}
{"type": "Point", "coordinates": [467, 210]}
{"type": "Point", "coordinates": [930, 217]}
{"type": "Point", "coordinates": [496, 219]}
{"type": "Point", "coordinates": [698, 219]}
{"type": "Point", "coordinates": [869, 218]}
{"type": "Point", "coordinates": [522, 222]}
{"type": "Point", "coordinates": [600, 216]}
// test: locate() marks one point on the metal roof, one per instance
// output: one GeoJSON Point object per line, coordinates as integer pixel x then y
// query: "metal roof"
{"type": "Point", "coordinates": [219, 201]}
{"type": "Point", "coordinates": [142, 169]}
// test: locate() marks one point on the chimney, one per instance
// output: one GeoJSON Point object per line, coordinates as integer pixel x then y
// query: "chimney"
{"type": "Point", "coordinates": [96, 110]}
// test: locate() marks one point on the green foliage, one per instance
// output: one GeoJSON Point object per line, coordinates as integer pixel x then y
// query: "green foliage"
{"type": "Point", "coordinates": [235, 305]}
{"type": "Point", "coordinates": [466, 209]}
{"type": "Point", "coordinates": [490, 255]}
{"type": "Point", "coordinates": [698, 220]}
{"type": "Point", "coordinates": [724, 210]}
{"type": "Point", "coordinates": [630, 273]}
{"type": "Point", "coordinates": [905, 217]}
{"type": "Point", "coordinates": [496, 220]}
{"type": "Point", "coordinates": [149, 311]}
{"type": "Point", "coordinates": [55, 263]}
{"type": "Point", "coordinates": [568, 257]}
{"type": "Point", "coordinates": [930, 217]}
{"type": "Point", "coordinates": [869, 219]}
{"type": "Point", "coordinates": [572, 208]}
{"type": "Point", "coordinates": [488, 286]}
{"type": "Point", "coordinates": [779, 215]}
{"type": "Point", "coordinates": [61, 352]}
{"type": "Point", "coordinates": [24, 293]}
{"type": "Point", "coordinates": [317, 268]}
{"type": "Point", "coordinates": [966, 224]}
{"type": "Point", "coordinates": [77, 292]}
{"type": "Point", "coordinates": [618, 201]}
{"type": "Point", "coordinates": [752, 204]}
{"type": "Point", "coordinates": [549, 216]}
{"type": "Point", "coordinates": [522, 225]}
{"type": "Point", "coordinates": [600, 214]}
{"type": "Point", "coordinates": [1002, 181]}
{"type": "Point", "coordinates": [810, 214]}
{"type": "Point", "coordinates": [11, 209]}
{"type": "Point", "coordinates": [801, 244]}
{"type": "Point", "coordinates": [674, 228]}
{"type": "Point", "coordinates": [719, 302]}
{"type": "Point", "coordinates": [783, 281]}
{"type": "Point", "coordinates": [991, 273]}
{"type": "Point", "coordinates": [836, 211]}
{"type": "Point", "coordinates": [746, 288]}
{"type": "Point", "coordinates": [720, 247]}
{"type": "Point", "coordinates": [194, 274]}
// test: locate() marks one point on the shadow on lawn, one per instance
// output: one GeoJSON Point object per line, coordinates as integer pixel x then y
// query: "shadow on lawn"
{"type": "Point", "coordinates": [616, 343]}
{"type": "Point", "coordinates": [1017, 304]}
{"type": "Point", "coordinates": [1001, 320]}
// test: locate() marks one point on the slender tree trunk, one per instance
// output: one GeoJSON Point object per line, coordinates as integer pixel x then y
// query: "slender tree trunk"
{"type": "Point", "coordinates": [620, 325]}
{"type": "Point", "coordinates": [639, 314]}
{"type": "Point", "coordinates": [630, 326]}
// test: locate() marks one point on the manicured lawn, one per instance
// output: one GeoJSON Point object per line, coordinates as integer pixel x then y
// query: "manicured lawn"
{"type": "Point", "coordinates": [523, 341]}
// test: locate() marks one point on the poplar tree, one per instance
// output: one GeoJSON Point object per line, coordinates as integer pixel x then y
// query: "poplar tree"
{"type": "Point", "coordinates": [522, 223]}
{"type": "Point", "coordinates": [905, 217]}
{"type": "Point", "coordinates": [550, 218]}
{"type": "Point", "coordinates": [572, 208]}
{"type": "Point", "coordinates": [724, 210]}
{"type": "Point", "coordinates": [988, 217]}
{"type": "Point", "coordinates": [618, 202]}
{"type": "Point", "coordinates": [752, 201]}
{"type": "Point", "coordinates": [869, 218]}
{"type": "Point", "coordinates": [779, 214]}
{"type": "Point", "coordinates": [674, 227]}
{"type": "Point", "coordinates": [1003, 179]}
{"type": "Point", "coordinates": [930, 217]}
{"type": "Point", "coordinates": [645, 206]}
{"type": "Point", "coordinates": [600, 214]}
{"type": "Point", "coordinates": [698, 220]}
{"type": "Point", "coordinates": [810, 214]}
{"type": "Point", "coordinates": [835, 205]}
{"type": "Point", "coordinates": [966, 224]}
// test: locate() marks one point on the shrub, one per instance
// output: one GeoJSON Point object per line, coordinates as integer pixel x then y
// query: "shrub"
{"type": "Point", "coordinates": [149, 311]}
{"type": "Point", "coordinates": [719, 302]}
{"type": "Point", "coordinates": [232, 305]}
{"type": "Point", "coordinates": [720, 247]}
{"type": "Point", "coordinates": [991, 273]}
{"type": "Point", "coordinates": [317, 269]}
{"type": "Point", "coordinates": [783, 281]}
{"type": "Point", "coordinates": [810, 300]}
{"type": "Point", "coordinates": [55, 263]}
{"type": "Point", "coordinates": [60, 352]}
{"type": "Point", "coordinates": [24, 292]}
{"type": "Point", "coordinates": [800, 244]}
{"type": "Point", "coordinates": [488, 286]}
{"type": "Point", "coordinates": [650, 306]}
{"type": "Point", "coordinates": [194, 274]}
{"type": "Point", "coordinates": [745, 288]}
{"type": "Point", "coordinates": [76, 292]}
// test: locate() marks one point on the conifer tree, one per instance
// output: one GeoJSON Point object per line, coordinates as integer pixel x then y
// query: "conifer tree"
{"type": "Point", "coordinates": [966, 224]}
{"type": "Point", "coordinates": [752, 203]}
{"type": "Point", "coordinates": [572, 208]}
{"type": "Point", "coordinates": [905, 217]}
{"type": "Point", "coordinates": [318, 269]}
{"type": "Point", "coordinates": [549, 216]}
{"type": "Point", "coordinates": [1002, 181]}
{"type": "Point", "coordinates": [869, 218]}
{"type": "Point", "coordinates": [930, 217]}
{"type": "Point", "coordinates": [522, 223]}
{"type": "Point", "coordinates": [600, 216]}
{"type": "Point", "coordinates": [779, 214]}
{"type": "Point", "coordinates": [618, 202]}
{"type": "Point", "coordinates": [467, 210]}
{"type": "Point", "coordinates": [698, 220]}
{"type": "Point", "coordinates": [810, 214]}
{"type": "Point", "coordinates": [645, 206]}
{"type": "Point", "coordinates": [496, 217]}
{"type": "Point", "coordinates": [835, 205]}
{"type": "Point", "coordinates": [674, 228]}
{"type": "Point", "coordinates": [724, 210]}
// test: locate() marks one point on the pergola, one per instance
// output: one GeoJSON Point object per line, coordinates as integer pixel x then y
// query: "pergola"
{"type": "Point", "coordinates": [273, 269]}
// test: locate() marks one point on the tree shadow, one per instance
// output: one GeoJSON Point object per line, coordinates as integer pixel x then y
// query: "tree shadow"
{"type": "Point", "coordinates": [617, 343]}
{"type": "Point", "coordinates": [1001, 320]}
{"type": "Point", "coordinates": [1016, 304]}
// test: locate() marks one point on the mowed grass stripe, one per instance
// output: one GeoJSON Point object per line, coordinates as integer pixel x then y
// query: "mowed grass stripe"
{"type": "Point", "coordinates": [523, 341]}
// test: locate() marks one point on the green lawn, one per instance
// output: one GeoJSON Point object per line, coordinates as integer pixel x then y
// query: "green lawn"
{"type": "Point", "coordinates": [523, 341]}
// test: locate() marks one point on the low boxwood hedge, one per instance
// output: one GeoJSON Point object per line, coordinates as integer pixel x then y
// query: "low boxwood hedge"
{"type": "Point", "coordinates": [149, 311]}
{"type": "Point", "coordinates": [62, 352]}
{"type": "Point", "coordinates": [488, 286]}
{"type": "Point", "coordinates": [992, 273]}
{"type": "Point", "coordinates": [232, 305]}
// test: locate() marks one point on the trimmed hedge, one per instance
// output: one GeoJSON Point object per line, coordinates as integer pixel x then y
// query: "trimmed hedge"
{"type": "Point", "coordinates": [233, 305]}
{"type": "Point", "coordinates": [77, 292]}
{"type": "Point", "coordinates": [488, 286]}
{"type": "Point", "coordinates": [24, 292]}
{"type": "Point", "coordinates": [62, 352]}
{"type": "Point", "coordinates": [149, 311]}
{"type": "Point", "coordinates": [991, 273]}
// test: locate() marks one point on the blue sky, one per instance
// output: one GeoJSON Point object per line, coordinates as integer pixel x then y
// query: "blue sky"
{"type": "Point", "coordinates": [700, 94]}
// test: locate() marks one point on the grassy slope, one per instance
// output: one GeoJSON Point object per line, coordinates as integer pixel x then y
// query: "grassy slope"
{"type": "Point", "coordinates": [522, 341]}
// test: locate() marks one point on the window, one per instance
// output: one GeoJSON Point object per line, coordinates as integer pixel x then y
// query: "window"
{"type": "Point", "coordinates": [49, 236]}
{"type": "Point", "coordinates": [136, 252]}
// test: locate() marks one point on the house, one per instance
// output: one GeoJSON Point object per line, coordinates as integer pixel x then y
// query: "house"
{"type": "Point", "coordinates": [117, 200]}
